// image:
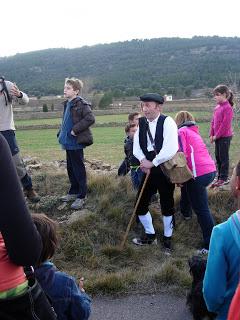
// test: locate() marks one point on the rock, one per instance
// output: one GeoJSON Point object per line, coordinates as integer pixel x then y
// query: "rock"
{"type": "Point", "coordinates": [78, 215]}
{"type": "Point", "coordinates": [62, 206]}
{"type": "Point", "coordinates": [34, 166]}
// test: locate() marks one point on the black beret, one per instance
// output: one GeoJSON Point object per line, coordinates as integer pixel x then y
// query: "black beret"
{"type": "Point", "coordinates": [152, 97]}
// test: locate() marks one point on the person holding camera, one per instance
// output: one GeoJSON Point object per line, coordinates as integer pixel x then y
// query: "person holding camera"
{"type": "Point", "coordinates": [9, 92]}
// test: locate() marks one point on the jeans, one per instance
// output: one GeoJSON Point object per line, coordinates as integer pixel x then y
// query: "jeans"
{"type": "Point", "coordinates": [222, 146]}
{"type": "Point", "coordinates": [194, 196]}
{"type": "Point", "coordinates": [76, 173]}
{"type": "Point", "coordinates": [136, 177]}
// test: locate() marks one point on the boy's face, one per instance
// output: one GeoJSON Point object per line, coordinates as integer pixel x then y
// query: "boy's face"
{"type": "Point", "coordinates": [132, 132]}
{"type": "Point", "coordinates": [69, 92]}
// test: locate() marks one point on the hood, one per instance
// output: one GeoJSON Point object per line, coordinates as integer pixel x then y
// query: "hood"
{"type": "Point", "coordinates": [187, 124]}
{"type": "Point", "coordinates": [191, 125]}
{"type": "Point", "coordinates": [234, 221]}
{"type": "Point", "coordinates": [46, 273]}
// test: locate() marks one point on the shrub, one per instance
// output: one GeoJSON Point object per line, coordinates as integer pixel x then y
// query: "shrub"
{"type": "Point", "coordinates": [45, 108]}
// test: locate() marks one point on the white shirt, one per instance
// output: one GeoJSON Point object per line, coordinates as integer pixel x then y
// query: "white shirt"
{"type": "Point", "coordinates": [170, 141]}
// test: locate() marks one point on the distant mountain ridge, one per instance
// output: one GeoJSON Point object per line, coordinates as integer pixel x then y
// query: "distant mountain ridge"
{"type": "Point", "coordinates": [130, 67]}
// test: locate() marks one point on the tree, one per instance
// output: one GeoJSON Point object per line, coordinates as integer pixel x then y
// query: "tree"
{"type": "Point", "coordinates": [45, 108]}
{"type": "Point", "coordinates": [106, 100]}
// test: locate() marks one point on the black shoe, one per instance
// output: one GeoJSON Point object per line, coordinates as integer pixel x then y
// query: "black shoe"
{"type": "Point", "coordinates": [147, 239]}
{"type": "Point", "coordinates": [167, 245]}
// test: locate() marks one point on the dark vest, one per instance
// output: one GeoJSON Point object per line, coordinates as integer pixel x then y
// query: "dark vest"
{"type": "Point", "coordinates": [158, 139]}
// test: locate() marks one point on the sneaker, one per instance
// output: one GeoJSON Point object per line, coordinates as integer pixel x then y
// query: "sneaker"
{"type": "Point", "coordinates": [214, 184]}
{"type": "Point", "coordinates": [167, 245]}
{"type": "Point", "coordinates": [202, 251]}
{"type": "Point", "coordinates": [221, 182]}
{"type": "Point", "coordinates": [147, 239]}
{"type": "Point", "coordinates": [68, 197]}
{"type": "Point", "coordinates": [78, 204]}
{"type": "Point", "coordinates": [32, 195]}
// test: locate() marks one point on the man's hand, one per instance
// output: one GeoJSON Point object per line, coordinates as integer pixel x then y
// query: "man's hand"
{"type": "Point", "coordinates": [15, 91]}
{"type": "Point", "coordinates": [146, 165]}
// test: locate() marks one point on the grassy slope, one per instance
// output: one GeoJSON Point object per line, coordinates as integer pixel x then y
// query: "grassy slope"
{"type": "Point", "coordinates": [90, 248]}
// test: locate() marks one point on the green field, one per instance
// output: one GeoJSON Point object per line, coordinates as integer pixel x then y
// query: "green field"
{"type": "Point", "coordinates": [118, 118]}
{"type": "Point", "coordinates": [108, 141]}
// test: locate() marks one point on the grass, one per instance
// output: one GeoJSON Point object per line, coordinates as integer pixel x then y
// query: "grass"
{"type": "Point", "coordinates": [90, 247]}
{"type": "Point", "coordinates": [101, 119]}
{"type": "Point", "coordinates": [108, 144]}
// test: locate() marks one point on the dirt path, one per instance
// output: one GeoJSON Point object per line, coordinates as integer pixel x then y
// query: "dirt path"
{"type": "Point", "coordinates": [135, 307]}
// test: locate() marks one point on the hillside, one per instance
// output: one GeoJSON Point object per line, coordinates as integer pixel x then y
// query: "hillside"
{"type": "Point", "coordinates": [169, 65]}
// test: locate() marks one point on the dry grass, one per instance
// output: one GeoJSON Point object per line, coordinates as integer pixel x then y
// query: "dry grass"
{"type": "Point", "coordinates": [90, 247]}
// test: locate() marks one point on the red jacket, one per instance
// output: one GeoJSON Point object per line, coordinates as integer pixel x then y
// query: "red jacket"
{"type": "Point", "coordinates": [234, 311]}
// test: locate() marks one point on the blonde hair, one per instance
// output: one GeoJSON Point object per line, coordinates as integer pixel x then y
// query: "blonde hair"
{"type": "Point", "coordinates": [183, 116]}
{"type": "Point", "coordinates": [75, 83]}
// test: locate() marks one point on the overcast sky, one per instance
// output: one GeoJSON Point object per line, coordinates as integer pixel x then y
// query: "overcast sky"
{"type": "Point", "coordinates": [29, 25]}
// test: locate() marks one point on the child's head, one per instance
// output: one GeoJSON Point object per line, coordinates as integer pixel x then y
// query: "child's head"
{"type": "Point", "coordinates": [222, 93]}
{"type": "Point", "coordinates": [72, 88]}
{"type": "Point", "coordinates": [133, 117]}
{"type": "Point", "coordinates": [130, 129]}
{"type": "Point", "coordinates": [183, 116]}
{"type": "Point", "coordinates": [47, 229]}
{"type": "Point", "coordinates": [235, 181]}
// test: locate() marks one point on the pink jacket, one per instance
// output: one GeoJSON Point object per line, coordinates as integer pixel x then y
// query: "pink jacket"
{"type": "Point", "coordinates": [221, 124]}
{"type": "Point", "coordinates": [195, 150]}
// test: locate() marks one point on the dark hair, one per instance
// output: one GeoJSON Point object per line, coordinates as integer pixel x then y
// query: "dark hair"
{"type": "Point", "coordinates": [222, 88]}
{"type": "Point", "coordinates": [238, 169]}
{"type": "Point", "coordinates": [132, 115]}
{"type": "Point", "coordinates": [47, 229]}
{"type": "Point", "coordinates": [129, 126]}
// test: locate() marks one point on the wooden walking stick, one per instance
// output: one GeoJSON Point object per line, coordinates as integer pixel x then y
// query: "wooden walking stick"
{"type": "Point", "coordinates": [134, 213]}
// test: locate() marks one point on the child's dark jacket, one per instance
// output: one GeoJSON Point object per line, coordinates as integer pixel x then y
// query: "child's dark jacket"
{"type": "Point", "coordinates": [128, 149]}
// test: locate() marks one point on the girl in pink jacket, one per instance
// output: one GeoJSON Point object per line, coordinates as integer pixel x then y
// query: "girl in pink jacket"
{"type": "Point", "coordinates": [194, 192]}
{"type": "Point", "coordinates": [221, 132]}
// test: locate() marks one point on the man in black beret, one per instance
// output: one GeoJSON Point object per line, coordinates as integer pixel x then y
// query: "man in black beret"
{"type": "Point", "coordinates": [155, 141]}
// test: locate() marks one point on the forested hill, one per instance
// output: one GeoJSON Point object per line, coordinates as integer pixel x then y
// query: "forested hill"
{"type": "Point", "coordinates": [164, 64]}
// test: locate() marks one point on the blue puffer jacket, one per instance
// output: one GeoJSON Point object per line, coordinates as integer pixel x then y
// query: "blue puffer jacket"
{"type": "Point", "coordinates": [223, 265]}
{"type": "Point", "coordinates": [68, 301]}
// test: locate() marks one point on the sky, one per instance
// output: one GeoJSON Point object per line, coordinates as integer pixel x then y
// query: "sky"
{"type": "Point", "coordinates": [30, 25]}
